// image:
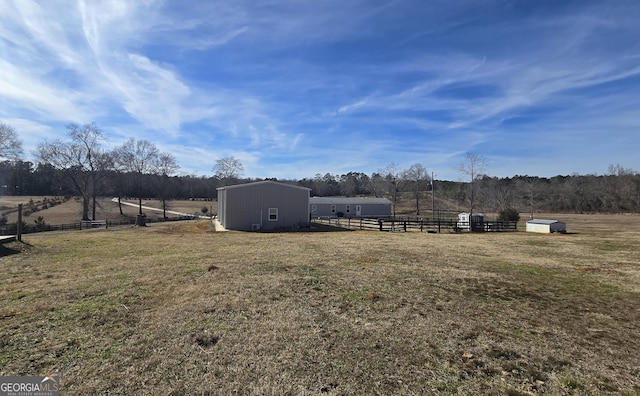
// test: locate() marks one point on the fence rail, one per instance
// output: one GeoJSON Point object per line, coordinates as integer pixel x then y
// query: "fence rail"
{"type": "Point", "coordinates": [421, 225]}
{"type": "Point", "coordinates": [12, 229]}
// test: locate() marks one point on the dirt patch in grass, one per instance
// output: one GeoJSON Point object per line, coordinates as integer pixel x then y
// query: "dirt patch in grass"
{"type": "Point", "coordinates": [179, 309]}
{"type": "Point", "coordinates": [184, 228]}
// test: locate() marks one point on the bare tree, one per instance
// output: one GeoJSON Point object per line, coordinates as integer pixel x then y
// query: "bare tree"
{"type": "Point", "coordinates": [98, 160]}
{"type": "Point", "coordinates": [620, 188]}
{"type": "Point", "coordinates": [527, 188]}
{"type": "Point", "coordinates": [320, 188]}
{"type": "Point", "coordinates": [417, 178]}
{"type": "Point", "coordinates": [228, 169]}
{"type": "Point", "coordinates": [167, 166]}
{"type": "Point", "coordinates": [394, 181]}
{"type": "Point", "coordinates": [82, 160]}
{"type": "Point", "coordinates": [377, 184]}
{"type": "Point", "coordinates": [474, 166]}
{"type": "Point", "coordinates": [495, 192]}
{"type": "Point", "coordinates": [10, 146]}
{"type": "Point", "coordinates": [140, 157]}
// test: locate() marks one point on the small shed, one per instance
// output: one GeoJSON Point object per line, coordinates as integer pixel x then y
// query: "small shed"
{"type": "Point", "coordinates": [349, 207]}
{"type": "Point", "coordinates": [264, 205]}
{"type": "Point", "coordinates": [546, 226]}
{"type": "Point", "coordinates": [470, 221]}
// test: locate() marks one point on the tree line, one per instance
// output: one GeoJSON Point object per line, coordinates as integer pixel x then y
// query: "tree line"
{"type": "Point", "coordinates": [80, 166]}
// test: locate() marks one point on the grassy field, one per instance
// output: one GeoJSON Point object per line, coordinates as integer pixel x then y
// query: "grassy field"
{"type": "Point", "coordinates": [70, 211]}
{"type": "Point", "coordinates": [180, 309]}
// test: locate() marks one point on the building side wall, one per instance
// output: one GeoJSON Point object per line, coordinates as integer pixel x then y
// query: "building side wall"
{"type": "Point", "coordinates": [541, 228]}
{"type": "Point", "coordinates": [367, 210]}
{"type": "Point", "coordinates": [250, 205]}
{"type": "Point", "coordinates": [222, 207]}
{"type": "Point", "coordinates": [547, 228]}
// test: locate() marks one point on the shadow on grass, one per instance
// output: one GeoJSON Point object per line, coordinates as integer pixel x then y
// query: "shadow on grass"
{"type": "Point", "coordinates": [12, 248]}
{"type": "Point", "coordinates": [315, 227]}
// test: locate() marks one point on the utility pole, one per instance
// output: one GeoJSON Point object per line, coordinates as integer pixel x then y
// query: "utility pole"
{"type": "Point", "coordinates": [433, 197]}
{"type": "Point", "coordinates": [531, 201]}
{"type": "Point", "coordinates": [19, 224]}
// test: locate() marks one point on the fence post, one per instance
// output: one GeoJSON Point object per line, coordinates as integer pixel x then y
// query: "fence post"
{"type": "Point", "coordinates": [405, 226]}
{"type": "Point", "coordinates": [19, 224]}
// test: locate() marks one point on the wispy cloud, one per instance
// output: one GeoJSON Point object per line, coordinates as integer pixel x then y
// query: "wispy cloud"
{"type": "Point", "coordinates": [308, 87]}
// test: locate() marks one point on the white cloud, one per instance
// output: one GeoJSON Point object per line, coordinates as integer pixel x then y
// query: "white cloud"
{"type": "Point", "coordinates": [212, 42]}
{"type": "Point", "coordinates": [21, 90]}
{"type": "Point", "coordinates": [364, 84]}
{"type": "Point", "coordinates": [30, 133]}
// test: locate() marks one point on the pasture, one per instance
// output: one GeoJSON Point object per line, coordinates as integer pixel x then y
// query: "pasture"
{"type": "Point", "coordinates": [179, 309]}
{"type": "Point", "coordinates": [70, 210]}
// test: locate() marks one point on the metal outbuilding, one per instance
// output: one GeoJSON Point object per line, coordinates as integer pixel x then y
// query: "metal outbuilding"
{"type": "Point", "coordinates": [264, 205]}
{"type": "Point", "coordinates": [546, 226]}
{"type": "Point", "coordinates": [349, 207]}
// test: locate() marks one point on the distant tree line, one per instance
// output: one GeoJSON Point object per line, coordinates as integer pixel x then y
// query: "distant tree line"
{"type": "Point", "coordinates": [617, 192]}
{"type": "Point", "coordinates": [80, 166]}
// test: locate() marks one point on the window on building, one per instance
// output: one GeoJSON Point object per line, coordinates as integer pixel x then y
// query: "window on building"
{"type": "Point", "coordinates": [348, 208]}
{"type": "Point", "coordinates": [333, 208]}
{"type": "Point", "coordinates": [273, 214]}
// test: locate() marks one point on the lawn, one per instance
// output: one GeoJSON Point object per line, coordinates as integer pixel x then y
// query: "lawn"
{"type": "Point", "coordinates": [180, 309]}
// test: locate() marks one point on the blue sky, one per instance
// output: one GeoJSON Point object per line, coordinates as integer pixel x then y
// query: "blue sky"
{"type": "Point", "coordinates": [292, 88]}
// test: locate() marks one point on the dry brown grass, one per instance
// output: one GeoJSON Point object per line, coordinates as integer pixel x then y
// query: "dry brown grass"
{"type": "Point", "coordinates": [71, 210]}
{"type": "Point", "coordinates": [180, 309]}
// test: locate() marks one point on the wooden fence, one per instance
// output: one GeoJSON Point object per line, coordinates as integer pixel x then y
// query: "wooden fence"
{"type": "Point", "coordinates": [12, 229]}
{"type": "Point", "coordinates": [421, 225]}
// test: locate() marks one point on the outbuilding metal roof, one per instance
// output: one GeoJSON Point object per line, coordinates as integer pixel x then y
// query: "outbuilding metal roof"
{"type": "Point", "coordinates": [542, 221]}
{"type": "Point", "coordinates": [244, 185]}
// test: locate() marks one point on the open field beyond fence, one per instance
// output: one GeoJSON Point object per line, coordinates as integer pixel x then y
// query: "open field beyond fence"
{"type": "Point", "coordinates": [69, 211]}
{"type": "Point", "coordinates": [176, 308]}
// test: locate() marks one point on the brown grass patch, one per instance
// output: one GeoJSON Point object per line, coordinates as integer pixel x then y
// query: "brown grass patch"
{"type": "Point", "coordinates": [185, 227]}
{"type": "Point", "coordinates": [596, 269]}
{"type": "Point", "coordinates": [177, 309]}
